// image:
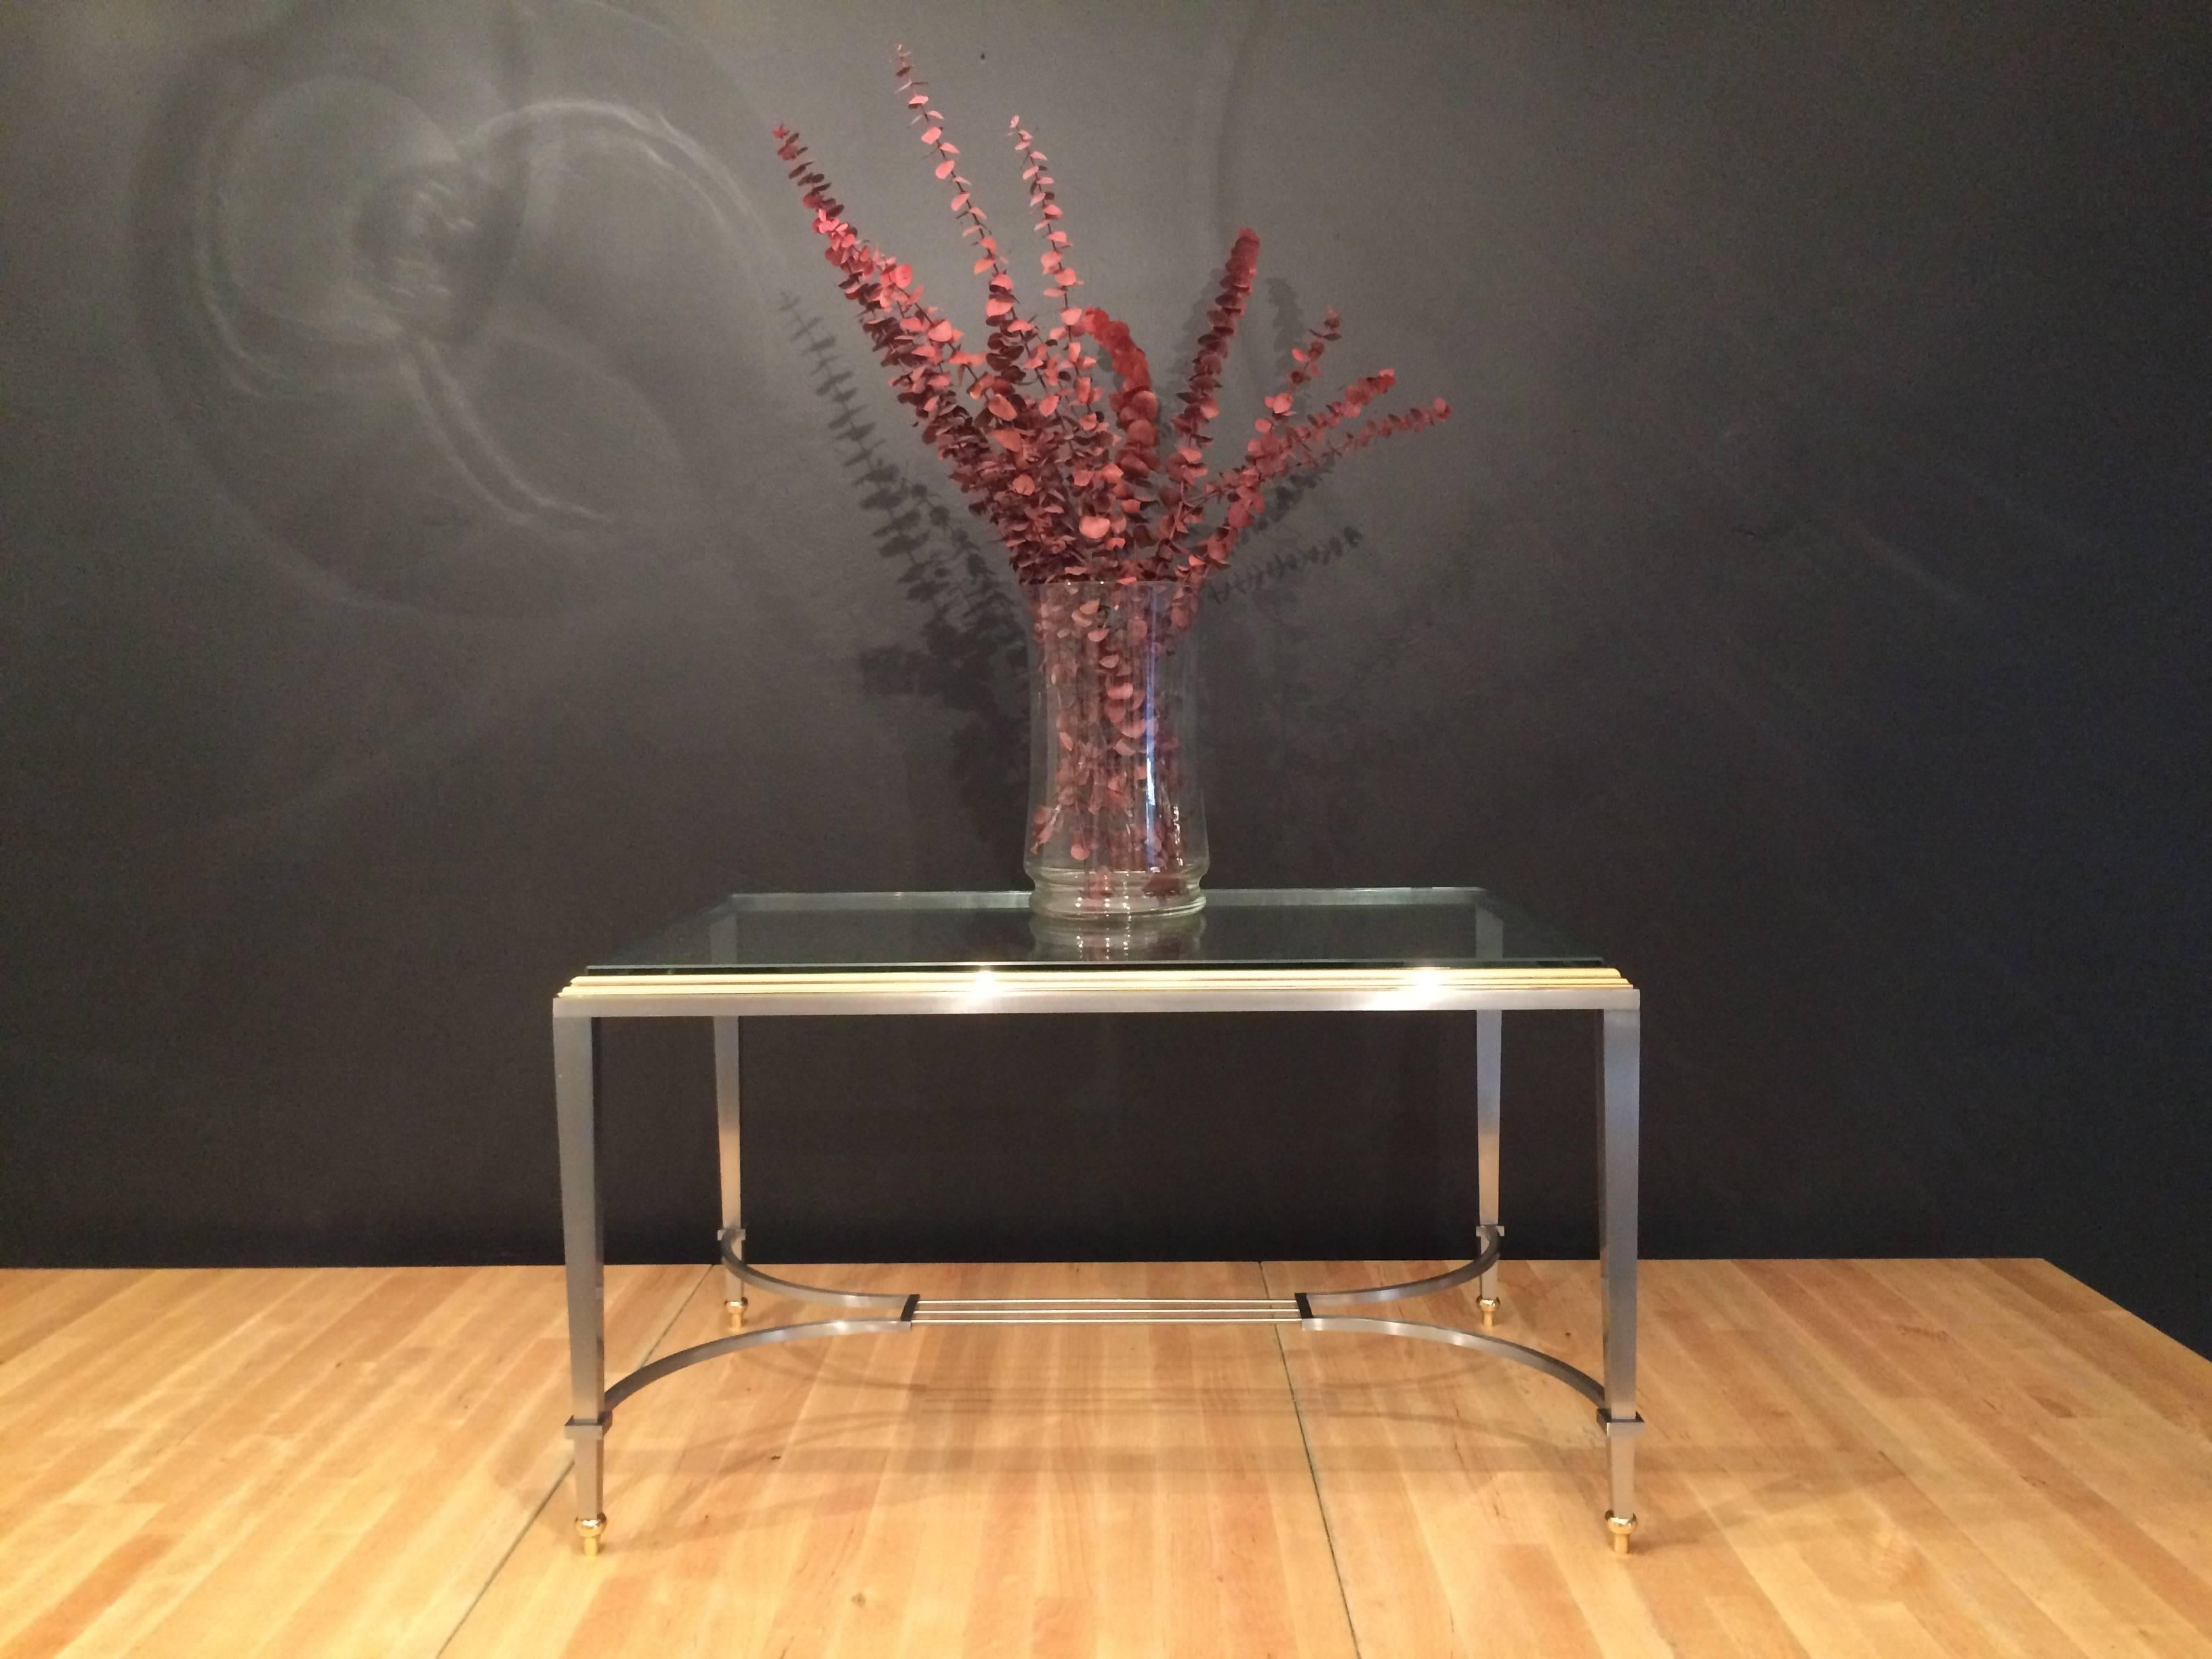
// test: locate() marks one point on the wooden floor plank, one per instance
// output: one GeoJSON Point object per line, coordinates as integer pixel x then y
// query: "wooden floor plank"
{"type": "Point", "coordinates": [36, 1304]}
{"type": "Point", "coordinates": [1952, 1439]}
{"type": "Point", "coordinates": [1084, 1490]}
{"type": "Point", "coordinates": [2069, 1318]}
{"type": "Point", "coordinates": [1833, 1447]}
{"type": "Point", "coordinates": [1867, 1457]}
{"type": "Point", "coordinates": [1444, 1473]}
{"type": "Point", "coordinates": [326, 1461]}
{"type": "Point", "coordinates": [1846, 1458]}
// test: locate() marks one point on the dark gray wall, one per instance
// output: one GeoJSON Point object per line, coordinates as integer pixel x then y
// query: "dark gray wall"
{"type": "Point", "coordinates": [451, 526]}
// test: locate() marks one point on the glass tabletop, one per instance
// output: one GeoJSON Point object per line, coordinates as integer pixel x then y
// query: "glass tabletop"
{"type": "Point", "coordinates": [1254, 928]}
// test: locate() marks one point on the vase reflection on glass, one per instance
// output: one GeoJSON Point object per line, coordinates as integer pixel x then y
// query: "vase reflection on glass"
{"type": "Point", "coordinates": [1117, 827]}
{"type": "Point", "coordinates": [1141, 938]}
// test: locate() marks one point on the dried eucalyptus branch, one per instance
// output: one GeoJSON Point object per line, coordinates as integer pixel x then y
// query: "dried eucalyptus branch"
{"type": "Point", "coordinates": [1076, 493]}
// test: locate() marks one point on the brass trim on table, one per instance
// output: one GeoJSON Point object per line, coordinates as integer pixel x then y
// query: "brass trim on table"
{"type": "Point", "coordinates": [1004, 989]}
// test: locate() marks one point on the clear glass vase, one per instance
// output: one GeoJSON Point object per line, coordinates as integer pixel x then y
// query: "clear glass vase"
{"type": "Point", "coordinates": [1117, 827]}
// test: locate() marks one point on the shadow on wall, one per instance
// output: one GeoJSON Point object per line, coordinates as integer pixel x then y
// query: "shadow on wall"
{"type": "Point", "coordinates": [452, 293]}
{"type": "Point", "coordinates": [970, 659]}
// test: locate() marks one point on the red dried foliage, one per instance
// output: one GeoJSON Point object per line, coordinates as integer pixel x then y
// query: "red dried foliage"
{"type": "Point", "coordinates": [1080, 482]}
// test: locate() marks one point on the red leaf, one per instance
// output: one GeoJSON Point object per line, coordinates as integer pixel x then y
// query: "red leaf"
{"type": "Point", "coordinates": [997, 307]}
{"type": "Point", "coordinates": [948, 149]}
{"type": "Point", "coordinates": [1022, 484]}
{"type": "Point", "coordinates": [982, 265]}
{"type": "Point", "coordinates": [1071, 316]}
{"type": "Point", "coordinates": [944, 331]}
{"type": "Point", "coordinates": [960, 201]}
{"type": "Point", "coordinates": [945, 169]}
{"type": "Point", "coordinates": [1094, 527]}
{"type": "Point", "coordinates": [1001, 406]}
{"type": "Point", "coordinates": [1048, 405]}
{"type": "Point", "coordinates": [919, 101]}
{"type": "Point", "coordinates": [930, 135]}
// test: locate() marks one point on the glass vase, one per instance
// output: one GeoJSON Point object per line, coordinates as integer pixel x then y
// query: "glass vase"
{"type": "Point", "coordinates": [1117, 827]}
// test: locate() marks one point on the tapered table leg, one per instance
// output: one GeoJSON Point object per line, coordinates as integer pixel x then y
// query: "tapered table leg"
{"type": "Point", "coordinates": [725, 1128]}
{"type": "Point", "coordinates": [576, 1062]}
{"type": "Point", "coordinates": [1619, 1111]}
{"type": "Point", "coordinates": [1489, 1058]}
{"type": "Point", "coordinates": [1488, 1030]}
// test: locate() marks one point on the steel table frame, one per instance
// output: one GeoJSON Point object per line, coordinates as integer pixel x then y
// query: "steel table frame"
{"type": "Point", "coordinates": [729, 998]}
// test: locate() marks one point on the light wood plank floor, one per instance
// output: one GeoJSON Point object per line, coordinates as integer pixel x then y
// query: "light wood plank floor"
{"type": "Point", "coordinates": [1875, 1458]}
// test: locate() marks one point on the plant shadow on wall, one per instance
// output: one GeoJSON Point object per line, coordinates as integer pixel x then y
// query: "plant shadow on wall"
{"type": "Point", "coordinates": [969, 658]}
{"type": "Point", "coordinates": [451, 295]}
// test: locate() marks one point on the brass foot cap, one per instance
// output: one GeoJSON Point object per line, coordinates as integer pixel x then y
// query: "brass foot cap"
{"type": "Point", "coordinates": [735, 1311]}
{"type": "Point", "coordinates": [591, 1531]}
{"type": "Point", "coordinates": [1488, 1304]}
{"type": "Point", "coordinates": [1620, 1526]}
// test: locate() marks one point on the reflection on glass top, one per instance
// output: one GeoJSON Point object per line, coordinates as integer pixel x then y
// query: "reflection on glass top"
{"type": "Point", "coordinates": [1328, 928]}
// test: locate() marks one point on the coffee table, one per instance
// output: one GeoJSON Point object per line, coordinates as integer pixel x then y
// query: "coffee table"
{"type": "Point", "coordinates": [1338, 951]}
